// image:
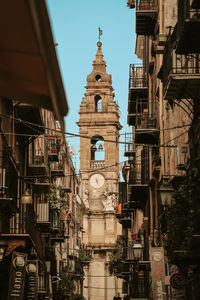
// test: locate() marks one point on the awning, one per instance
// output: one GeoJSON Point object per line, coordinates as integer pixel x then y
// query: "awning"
{"type": "Point", "coordinates": [29, 69]}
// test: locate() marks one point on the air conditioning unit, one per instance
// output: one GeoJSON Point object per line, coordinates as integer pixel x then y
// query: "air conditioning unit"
{"type": "Point", "coordinates": [182, 156]}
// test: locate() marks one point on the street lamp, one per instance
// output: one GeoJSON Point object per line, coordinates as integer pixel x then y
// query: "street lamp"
{"type": "Point", "coordinates": [137, 250]}
{"type": "Point", "coordinates": [26, 198]}
{"type": "Point", "coordinates": [165, 191]}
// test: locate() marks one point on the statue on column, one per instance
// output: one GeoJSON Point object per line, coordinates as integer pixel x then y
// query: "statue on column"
{"type": "Point", "coordinates": [109, 202]}
{"type": "Point", "coordinates": [85, 198]}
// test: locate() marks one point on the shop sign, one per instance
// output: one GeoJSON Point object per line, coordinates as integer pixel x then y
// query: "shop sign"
{"type": "Point", "coordinates": [158, 273]}
{"type": "Point", "coordinates": [17, 276]}
{"type": "Point", "coordinates": [31, 286]}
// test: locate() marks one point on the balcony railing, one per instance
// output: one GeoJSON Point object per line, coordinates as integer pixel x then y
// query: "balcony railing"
{"type": "Point", "coordinates": [146, 16]}
{"type": "Point", "coordinates": [57, 167]}
{"type": "Point", "coordinates": [137, 77]}
{"type": "Point", "coordinates": [97, 164]}
{"type": "Point", "coordinates": [129, 146]}
{"type": "Point", "coordinates": [38, 155]}
{"type": "Point", "coordinates": [180, 73]}
{"type": "Point", "coordinates": [146, 4]}
{"type": "Point", "coordinates": [139, 173]}
{"type": "Point", "coordinates": [188, 27]}
{"type": "Point", "coordinates": [53, 147]}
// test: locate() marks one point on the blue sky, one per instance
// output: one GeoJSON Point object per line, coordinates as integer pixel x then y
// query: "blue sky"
{"type": "Point", "coordinates": [75, 28]}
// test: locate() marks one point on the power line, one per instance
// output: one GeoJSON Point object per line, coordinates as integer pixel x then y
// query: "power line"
{"type": "Point", "coordinates": [78, 135]}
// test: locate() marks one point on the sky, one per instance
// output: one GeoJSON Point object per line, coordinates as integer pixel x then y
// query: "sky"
{"type": "Point", "coordinates": [75, 29]}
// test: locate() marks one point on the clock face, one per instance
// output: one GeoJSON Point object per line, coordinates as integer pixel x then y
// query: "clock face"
{"type": "Point", "coordinates": [96, 181]}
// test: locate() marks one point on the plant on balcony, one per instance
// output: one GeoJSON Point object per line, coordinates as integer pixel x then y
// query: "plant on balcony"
{"type": "Point", "coordinates": [66, 283]}
{"type": "Point", "coordinates": [181, 222]}
{"type": "Point", "coordinates": [117, 257]}
{"type": "Point", "coordinates": [131, 3]}
{"type": "Point", "coordinates": [84, 256]}
{"type": "Point", "coordinates": [57, 197]}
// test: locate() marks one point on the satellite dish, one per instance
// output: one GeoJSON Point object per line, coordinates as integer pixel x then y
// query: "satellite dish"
{"type": "Point", "coordinates": [73, 150]}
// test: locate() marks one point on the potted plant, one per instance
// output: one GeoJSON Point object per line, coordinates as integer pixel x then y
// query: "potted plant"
{"type": "Point", "coordinates": [57, 197]}
{"type": "Point", "coordinates": [84, 256]}
{"type": "Point", "coordinates": [66, 284]}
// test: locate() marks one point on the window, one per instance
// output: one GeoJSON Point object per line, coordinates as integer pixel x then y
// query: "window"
{"type": "Point", "coordinates": [97, 148]}
{"type": "Point", "coordinates": [98, 103]}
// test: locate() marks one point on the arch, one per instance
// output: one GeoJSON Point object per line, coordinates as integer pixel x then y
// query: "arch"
{"type": "Point", "coordinates": [97, 148]}
{"type": "Point", "coordinates": [98, 103]}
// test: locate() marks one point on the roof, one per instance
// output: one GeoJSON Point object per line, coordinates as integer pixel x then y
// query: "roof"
{"type": "Point", "coordinates": [29, 69]}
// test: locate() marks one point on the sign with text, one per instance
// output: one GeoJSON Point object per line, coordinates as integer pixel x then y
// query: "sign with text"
{"type": "Point", "coordinates": [158, 272]}
{"type": "Point", "coordinates": [17, 276]}
{"type": "Point", "coordinates": [31, 286]}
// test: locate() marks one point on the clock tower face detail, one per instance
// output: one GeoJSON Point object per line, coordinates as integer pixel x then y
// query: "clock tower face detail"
{"type": "Point", "coordinates": [99, 128]}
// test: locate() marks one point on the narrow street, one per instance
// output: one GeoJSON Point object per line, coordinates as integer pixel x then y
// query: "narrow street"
{"type": "Point", "coordinates": [99, 190]}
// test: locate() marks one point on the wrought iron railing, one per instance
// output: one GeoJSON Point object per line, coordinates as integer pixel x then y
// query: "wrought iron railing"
{"type": "Point", "coordinates": [129, 146]}
{"type": "Point", "coordinates": [137, 77]}
{"type": "Point", "coordinates": [25, 222]}
{"type": "Point", "coordinates": [37, 152]}
{"type": "Point", "coordinates": [139, 173]}
{"type": "Point", "coordinates": [178, 63]}
{"type": "Point", "coordinates": [186, 12]}
{"type": "Point", "coordinates": [146, 5]}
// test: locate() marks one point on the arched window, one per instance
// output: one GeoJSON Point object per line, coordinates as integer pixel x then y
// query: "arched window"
{"type": "Point", "coordinates": [97, 148]}
{"type": "Point", "coordinates": [98, 103]}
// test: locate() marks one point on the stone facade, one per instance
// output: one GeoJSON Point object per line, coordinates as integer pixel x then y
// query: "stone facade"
{"type": "Point", "coordinates": [99, 169]}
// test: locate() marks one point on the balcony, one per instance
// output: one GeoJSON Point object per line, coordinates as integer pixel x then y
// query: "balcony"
{"type": "Point", "coordinates": [195, 4]}
{"type": "Point", "coordinates": [57, 168]}
{"type": "Point", "coordinates": [139, 182]}
{"type": "Point", "coordinates": [125, 218]}
{"type": "Point", "coordinates": [146, 16]}
{"type": "Point", "coordinates": [53, 148]}
{"type": "Point", "coordinates": [43, 216]}
{"type": "Point", "coordinates": [138, 87]}
{"type": "Point", "coordinates": [146, 129]}
{"type": "Point", "coordinates": [180, 74]}
{"type": "Point", "coordinates": [38, 156]}
{"type": "Point", "coordinates": [57, 227]}
{"type": "Point", "coordinates": [129, 146]}
{"type": "Point", "coordinates": [30, 114]}
{"type": "Point", "coordinates": [42, 185]}
{"type": "Point", "coordinates": [25, 229]}
{"type": "Point", "coordinates": [188, 27]}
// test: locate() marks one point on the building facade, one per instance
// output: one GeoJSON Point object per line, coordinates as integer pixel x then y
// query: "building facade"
{"type": "Point", "coordinates": [41, 250]}
{"type": "Point", "coordinates": [157, 212]}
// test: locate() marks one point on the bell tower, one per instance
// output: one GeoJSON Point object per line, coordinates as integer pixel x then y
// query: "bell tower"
{"type": "Point", "coordinates": [99, 128]}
